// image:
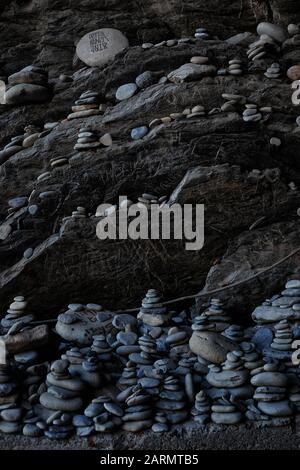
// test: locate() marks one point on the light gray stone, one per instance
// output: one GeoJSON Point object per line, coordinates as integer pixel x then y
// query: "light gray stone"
{"type": "Point", "coordinates": [98, 47]}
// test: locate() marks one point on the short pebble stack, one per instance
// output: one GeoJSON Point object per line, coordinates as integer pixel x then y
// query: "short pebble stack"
{"type": "Point", "coordinates": [235, 67]}
{"type": "Point", "coordinates": [16, 314]}
{"type": "Point", "coordinates": [88, 104]}
{"type": "Point", "coordinates": [251, 113]}
{"type": "Point", "coordinates": [201, 410]}
{"type": "Point", "coordinates": [87, 139]}
{"type": "Point", "coordinates": [274, 71]}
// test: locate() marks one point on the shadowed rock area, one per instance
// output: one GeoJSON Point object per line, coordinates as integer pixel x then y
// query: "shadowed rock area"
{"type": "Point", "coordinates": [250, 222]}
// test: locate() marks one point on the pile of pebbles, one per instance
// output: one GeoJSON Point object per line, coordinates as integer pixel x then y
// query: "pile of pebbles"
{"type": "Point", "coordinates": [152, 312]}
{"type": "Point", "coordinates": [224, 411]}
{"type": "Point", "coordinates": [201, 409]}
{"type": "Point", "coordinates": [142, 373]}
{"type": "Point", "coordinates": [283, 337]}
{"type": "Point", "coordinates": [26, 140]}
{"type": "Point", "coordinates": [110, 418]}
{"type": "Point", "coordinates": [172, 401]}
{"type": "Point", "coordinates": [252, 113]}
{"type": "Point", "coordinates": [271, 391]}
{"type": "Point", "coordinates": [274, 71]}
{"type": "Point", "coordinates": [188, 113]}
{"type": "Point", "coordinates": [235, 67]}
{"type": "Point", "coordinates": [79, 213]}
{"type": "Point", "coordinates": [16, 315]}
{"type": "Point", "coordinates": [10, 414]}
{"type": "Point", "coordinates": [232, 102]}
{"type": "Point", "coordinates": [64, 391]}
{"type": "Point", "coordinates": [202, 33]}
{"type": "Point", "coordinates": [88, 104]}
{"type": "Point", "coordinates": [87, 139]}
{"type": "Point", "coordinates": [138, 413]}
{"type": "Point", "coordinates": [216, 316]}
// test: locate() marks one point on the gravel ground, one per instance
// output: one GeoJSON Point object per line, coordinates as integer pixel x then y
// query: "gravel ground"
{"type": "Point", "coordinates": [189, 436]}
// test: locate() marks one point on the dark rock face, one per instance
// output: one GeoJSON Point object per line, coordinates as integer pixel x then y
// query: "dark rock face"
{"type": "Point", "coordinates": [249, 224]}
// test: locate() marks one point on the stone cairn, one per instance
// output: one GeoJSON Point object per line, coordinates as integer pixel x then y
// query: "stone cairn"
{"type": "Point", "coordinates": [201, 409]}
{"type": "Point", "coordinates": [235, 67]}
{"type": "Point", "coordinates": [63, 394]}
{"type": "Point", "coordinates": [88, 104]}
{"type": "Point", "coordinates": [172, 401]}
{"type": "Point", "coordinates": [138, 413]}
{"type": "Point", "coordinates": [271, 392]}
{"type": "Point", "coordinates": [224, 411]}
{"type": "Point", "coordinates": [111, 416]}
{"type": "Point", "coordinates": [202, 33]}
{"type": "Point", "coordinates": [29, 85]}
{"type": "Point", "coordinates": [271, 38]}
{"type": "Point", "coordinates": [232, 102]}
{"type": "Point", "coordinates": [274, 71]}
{"type": "Point", "coordinates": [10, 414]}
{"type": "Point", "coordinates": [216, 316]}
{"type": "Point", "coordinates": [283, 337]}
{"type": "Point", "coordinates": [251, 113]}
{"type": "Point", "coordinates": [87, 139]}
{"type": "Point", "coordinates": [152, 312]}
{"type": "Point", "coordinates": [79, 213]}
{"type": "Point", "coordinates": [16, 316]}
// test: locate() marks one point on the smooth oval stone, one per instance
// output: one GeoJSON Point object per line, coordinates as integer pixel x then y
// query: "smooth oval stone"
{"type": "Point", "coordinates": [176, 337]}
{"type": "Point", "coordinates": [160, 427]}
{"type": "Point", "coordinates": [126, 91]}
{"type": "Point", "coordinates": [147, 382]}
{"type": "Point", "coordinates": [136, 426]}
{"type": "Point", "coordinates": [227, 378]}
{"type": "Point", "coordinates": [53, 403]}
{"type": "Point", "coordinates": [18, 202]}
{"type": "Point", "coordinates": [114, 409]}
{"type": "Point", "coordinates": [26, 93]}
{"type": "Point", "coordinates": [33, 209]}
{"type": "Point", "coordinates": [226, 418]}
{"type": "Point", "coordinates": [139, 132]}
{"type": "Point", "coordinates": [211, 346]}
{"type": "Point", "coordinates": [274, 379]}
{"type": "Point", "coordinates": [13, 414]}
{"type": "Point", "coordinates": [174, 396]}
{"type": "Point", "coordinates": [126, 350]}
{"type": "Point", "coordinates": [82, 421]}
{"type": "Point", "coordinates": [10, 428]}
{"type": "Point", "coordinates": [293, 284]}
{"type": "Point", "coordinates": [85, 431]}
{"type": "Point", "coordinates": [98, 47]}
{"type": "Point", "coordinates": [145, 79]}
{"type": "Point", "coordinates": [274, 31]}
{"type": "Point", "coordinates": [93, 410]}
{"type": "Point", "coordinates": [127, 338]}
{"type": "Point", "coordinates": [32, 430]}
{"type": "Point", "coordinates": [27, 357]}
{"type": "Point", "coordinates": [176, 417]}
{"type": "Point", "coordinates": [137, 415]}
{"type": "Point", "coordinates": [163, 404]}
{"type": "Point", "coordinates": [74, 384]}
{"type": "Point", "coordinates": [28, 253]}
{"type": "Point", "coordinates": [277, 408]}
